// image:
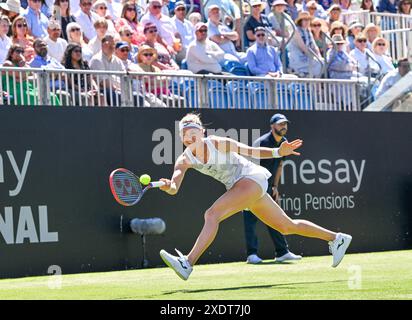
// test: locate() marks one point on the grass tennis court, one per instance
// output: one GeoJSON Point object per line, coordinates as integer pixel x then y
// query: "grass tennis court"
{"type": "Point", "coordinates": [384, 275]}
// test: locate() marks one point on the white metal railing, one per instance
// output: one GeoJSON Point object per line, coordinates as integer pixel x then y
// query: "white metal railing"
{"type": "Point", "coordinates": [362, 16]}
{"type": "Point", "coordinates": [400, 42]}
{"type": "Point", "coordinates": [386, 21]}
{"type": "Point", "coordinates": [23, 86]}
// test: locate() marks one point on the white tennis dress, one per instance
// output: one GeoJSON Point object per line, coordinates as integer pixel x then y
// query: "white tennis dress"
{"type": "Point", "coordinates": [229, 167]}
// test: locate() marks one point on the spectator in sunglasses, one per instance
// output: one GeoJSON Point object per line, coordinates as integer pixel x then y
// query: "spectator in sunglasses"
{"type": "Point", "coordinates": [62, 12]}
{"type": "Point", "coordinates": [126, 34]}
{"type": "Point", "coordinates": [364, 57]}
{"type": "Point", "coordinates": [380, 48]}
{"type": "Point", "coordinates": [75, 35]}
{"type": "Point", "coordinates": [86, 18]}
{"type": "Point", "coordinates": [15, 83]}
{"type": "Point", "coordinates": [184, 27]}
{"type": "Point", "coordinates": [20, 36]}
{"type": "Point", "coordinates": [164, 60]}
{"type": "Point", "coordinates": [129, 17]}
{"type": "Point", "coordinates": [37, 21]}
{"type": "Point", "coordinates": [203, 55]}
{"type": "Point", "coordinates": [166, 29]}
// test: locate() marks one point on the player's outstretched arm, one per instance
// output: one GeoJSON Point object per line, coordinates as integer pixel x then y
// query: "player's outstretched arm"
{"type": "Point", "coordinates": [172, 186]}
{"type": "Point", "coordinates": [230, 145]}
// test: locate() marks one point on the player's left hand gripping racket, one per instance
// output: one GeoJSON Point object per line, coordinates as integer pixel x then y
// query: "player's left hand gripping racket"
{"type": "Point", "coordinates": [126, 187]}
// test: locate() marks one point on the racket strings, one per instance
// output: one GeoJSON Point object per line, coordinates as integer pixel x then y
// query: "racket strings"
{"type": "Point", "coordinates": [127, 187]}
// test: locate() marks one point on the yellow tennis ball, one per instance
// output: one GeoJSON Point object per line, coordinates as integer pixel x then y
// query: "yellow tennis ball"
{"type": "Point", "coordinates": [145, 179]}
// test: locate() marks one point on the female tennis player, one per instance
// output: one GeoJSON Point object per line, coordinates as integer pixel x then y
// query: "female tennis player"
{"type": "Point", "coordinates": [246, 184]}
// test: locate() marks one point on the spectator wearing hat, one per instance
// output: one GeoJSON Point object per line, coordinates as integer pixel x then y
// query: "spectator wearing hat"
{"type": "Point", "coordinates": [273, 139]}
{"type": "Point", "coordinates": [303, 48]}
{"type": "Point", "coordinates": [125, 34]}
{"type": "Point", "coordinates": [364, 57]}
{"type": "Point", "coordinates": [340, 64]}
{"type": "Point", "coordinates": [390, 6]}
{"type": "Point", "coordinates": [101, 9]}
{"type": "Point", "coordinates": [339, 28]}
{"type": "Point", "coordinates": [256, 19]}
{"type": "Point", "coordinates": [165, 26]}
{"type": "Point", "coordinates": [56, 45]}
{"type": "Point", "coordinates": [155, 86]}
{"type": "Point", "coordinates": [129, 17]}
{"type": "Point", "coordinates": [86, 18]}
{"type": "Point", "coordinates": [164, 60]}
{"type": "Point", "coordinates": [367, 5]}
{"type": "Point", "coordinates": [379, 48]}
{"type": "Point", "coordinates": [11, 9]}
{"type": "Point", "coordinates": [122, 49]}
{"type": "Point", "coordinates": [315, 10]}
{"type": "Point", "coordinates": [263, 59]}
{"type": "Point", "coordinates": [20, 36]}
{"type": "Point", "coordinates": [101, 27]}
{"type": "Point", "coordinates": [277, 19]}
{"type": "Point", "coordinates": [404, 67]}
{"type": "Point", "coordinates": [203, 55]}
{"type": "Point", "coordinates": [223, 36]}
{"type": "Point", "coordinates": [37, 22]}
{"type": "Point", "coordinates": [371, 32]}
{"type": "Point", "coordinates": [229, 10]}
{"type": "Point", "coordinates": [334, 14]}
{"type": "Point", "coordinates": [75, 35]}
{"type": "Point", "coordinates": [194, 18]}
{"type": "Point", "coordinates": [184, 28]}
{"type": "Point", "coordinates": [354, 29]}
{"type": "Point", "coordinates": [5, 41]}
{"type": "Point", "coordinates": [63, 14]}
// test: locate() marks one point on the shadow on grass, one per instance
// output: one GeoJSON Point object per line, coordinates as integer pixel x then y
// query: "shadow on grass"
{"type": "Point", "coordinates": [266, 286]}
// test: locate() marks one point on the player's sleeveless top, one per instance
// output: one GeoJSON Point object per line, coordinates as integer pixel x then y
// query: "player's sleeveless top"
{"type": "Point", "coordinates": [227, 168]}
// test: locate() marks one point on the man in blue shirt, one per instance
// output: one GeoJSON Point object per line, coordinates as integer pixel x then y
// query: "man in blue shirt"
{"type": "Point", "coordinates": [263, 59]}
{"type": "Point", "coordinates": [273, 139]}
{"type": "Point", "coordinates": [43, 60]}
{"type": "Point", "coordinates": [37, 22]}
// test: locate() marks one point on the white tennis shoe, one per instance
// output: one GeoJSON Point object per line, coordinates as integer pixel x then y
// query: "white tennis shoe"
{"type": "Point", "coordinates": [253, 259]}
{"type": "Point", "coordinates": [179, 264]}
{"type": "Point", "coordinates": [290, 256]}
{"type": "Point", "coordinates": [338, 247]}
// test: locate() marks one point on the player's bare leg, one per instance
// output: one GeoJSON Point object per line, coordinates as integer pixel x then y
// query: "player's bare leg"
{"type": "Point", "coordinates": [267, 210]}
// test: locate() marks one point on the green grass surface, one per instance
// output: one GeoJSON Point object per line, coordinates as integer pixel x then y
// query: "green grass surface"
{"type": "Point", "coordinates": [384, 275]}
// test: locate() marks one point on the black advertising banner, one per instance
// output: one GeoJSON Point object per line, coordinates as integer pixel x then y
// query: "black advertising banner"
{"type": "Point", "coordinates": [57, 213]}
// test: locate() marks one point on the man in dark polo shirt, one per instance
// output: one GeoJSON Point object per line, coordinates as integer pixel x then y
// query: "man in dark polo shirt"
{"type": "Point", "coordinates": [272, 139]}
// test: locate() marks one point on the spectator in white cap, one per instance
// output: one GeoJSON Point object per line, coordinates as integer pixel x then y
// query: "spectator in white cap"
{"type": "Point", "coordinates": [223, 36]}
{"type": "Point", "coordinates": [11, 9]}
{"type": "Point", "coordinates": [340, 64]}
{"type": "Point", "coordinates": [56, 45]}
{"type": "Point", "coordinates": [165, 26]}
{"type": "Point", "coordinates": [5, 41]}
{"type": "Point", "coordinates": [184, 27]}
{"type": "Point", "coordinates": [203, 55]}
{"type": "Point", "coordinates": [229, 9]}
{"type": "Point", "coordinates": [354, 29]}
{"type": "Point", "coordinates": [101, 8]}
{"type": "Point", "coordinates": [86, 19]}
{"type": "Point", "coordinates": [278, 21]}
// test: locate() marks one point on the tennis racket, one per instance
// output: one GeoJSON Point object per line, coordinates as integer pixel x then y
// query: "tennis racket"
{"type": "Point", "coordinates": [126, 187]}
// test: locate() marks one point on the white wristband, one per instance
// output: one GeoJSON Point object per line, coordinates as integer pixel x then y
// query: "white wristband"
{"type": "Point", "coordinates": [275, 153]}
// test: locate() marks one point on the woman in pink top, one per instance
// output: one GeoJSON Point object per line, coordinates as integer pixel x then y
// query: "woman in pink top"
{"type": "Point", "coordinates": [21, 37]}
{"type": "Point", "coordinates": [129, 17]}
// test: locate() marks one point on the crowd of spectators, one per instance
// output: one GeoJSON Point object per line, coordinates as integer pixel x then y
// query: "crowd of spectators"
{"type": "Point", "coordinates": [279, 38]}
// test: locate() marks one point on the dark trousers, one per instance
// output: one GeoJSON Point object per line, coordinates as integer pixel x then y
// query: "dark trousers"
{"type": "Point", "coordinates": [279, 240]}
